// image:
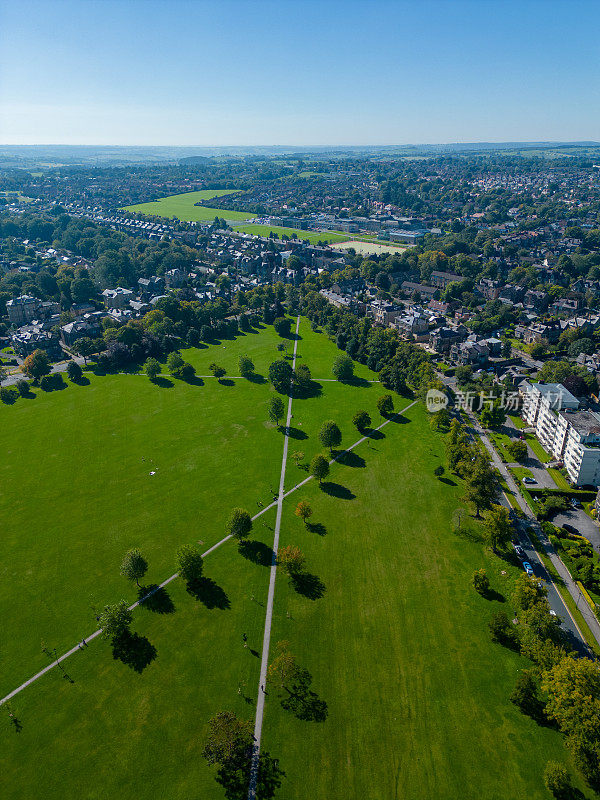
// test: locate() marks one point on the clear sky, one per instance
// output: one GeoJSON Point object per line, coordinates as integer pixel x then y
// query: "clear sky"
{"type": "Point", "coordinates": [234, 72]}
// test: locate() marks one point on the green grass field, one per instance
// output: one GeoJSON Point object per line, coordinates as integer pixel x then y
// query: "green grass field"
{"type": "Point", "coordinates": [182, 206]}
{"type": "Point", "coordinates": [411, 695]}
{"type": "Point", "coordinates": [312, 236]}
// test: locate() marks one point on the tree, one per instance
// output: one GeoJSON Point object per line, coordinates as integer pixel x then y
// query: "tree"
{"type": "Point", "coordinates": [493, 416]}
{"type": "Point", "coordinates": [343, 368]}
{"type": "Point", "coordinates": [239, 524]}
{"type": "Point", "coordinates": [319, 467]}
{"type": "Point", "coordinates": [498, 527]}
{"type": "Point", "coordinates": [517, 449]}
{"type": "Point", "coordinates": [480, 581]}
{"type": "Point", "coordinates": [134, 566]}
{"type": "Point", "coordinates": [525, 694]}
{"type": "Point", "coordinates": [22, 387]}
{"type": "Point", "coordinates": [36, 365]}
{"type": "Point", "coordinates": [229, 740]}
{"type": "Point", "coordinates": [330, 435]}
{"type": "Point", "coordinates": [385, 405]}
{"type": "Point", "coordinates": [280, 375]}
{"type": "Point", "coordinates": [361, 421]}
{"type": "Point", "coordinates": [439, 471]}
{"type": "Point", "coordinates": [283, 325]}
{"type": "Point", "coordinates": [85, 347]}
{"type": "Point", "coordinates": [276, 409]}
{"type": "Point", "coordinates": [303, 510]}
{"type": "Point", "coordinates": [152, 368]}
{"type": "Point", "coordinates": [187, 371]}
{"type": "Point", "coordinates": [500, 628]}
{"type": "Point", "coordinates": [74, 371]}
{"type": "Point", "coordinates": [115, 620]}
{"type": "Point", "coordinates": [527, 592]}
{"type": "Point", "coordinates": [558, 781]}
{"type": "Point", "coordinates": [480, 484]}
{"type": "Point", "coordinates": [217, 371]}
{"type": "Point", "coordinates": [189, 563]}
{"type": "Point", "coordinates": [174, 364]}
{"type": "Point", "coordinates": [291, 559]}
{"type": "Point", "coordinates": [302, 376]}
{"type": "Point", "coordinates": [283, 670]}
{"type": "Point", "coordinates": [246, 366]}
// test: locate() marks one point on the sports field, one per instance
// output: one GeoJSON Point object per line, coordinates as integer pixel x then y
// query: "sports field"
{"type": "Point", "coordinates": [409, 697]}
{"type": "Point", "coordinates": [370, 248]}
{"type": "Point", "coordinates": [182, 207]}
{"type": "Point", "coordinates": [312, 236]}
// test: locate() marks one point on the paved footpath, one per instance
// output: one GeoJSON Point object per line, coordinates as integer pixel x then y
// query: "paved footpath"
{"type": "Point", "coordinates": [260, 704]}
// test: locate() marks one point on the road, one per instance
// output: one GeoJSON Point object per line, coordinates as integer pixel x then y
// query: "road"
{"type": "Point", "coordinates": [61, 366]}
{"type": "Point", "coordinates": [554, 597]}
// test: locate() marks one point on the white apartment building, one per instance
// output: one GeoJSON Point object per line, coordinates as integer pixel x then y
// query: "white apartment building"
{"type": "Point", "coordinates": [572, 436]}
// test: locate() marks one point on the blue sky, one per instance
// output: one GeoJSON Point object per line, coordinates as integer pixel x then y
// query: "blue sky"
{"type": "Point", "coordinates": [227, 72]}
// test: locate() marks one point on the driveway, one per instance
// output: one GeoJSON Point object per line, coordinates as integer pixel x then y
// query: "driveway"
{"type": "Point", "coordinates": [584, 524]}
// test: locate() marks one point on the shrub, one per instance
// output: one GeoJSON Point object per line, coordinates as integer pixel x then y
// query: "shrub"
{"type": "Point", "coordinates": [557, 780]}
{"type": "Point", "coordinates": [74, 371]}
{"type": "Point", "coordinates": [385, 405]}
{"type": "Point", "coordinates": [22, 387]}
{"type": "Point", "coordinates": [480, 581]}
{"type": "Point", "coordinates": [8, 395]}
{"type": "Point", "coordinates": [361, 421]}
{"type": "Point", "coordinates": [518, 450]}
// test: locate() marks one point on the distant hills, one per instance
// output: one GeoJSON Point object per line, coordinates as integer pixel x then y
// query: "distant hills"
{"type": "Point", "coordinates": [28, 156]}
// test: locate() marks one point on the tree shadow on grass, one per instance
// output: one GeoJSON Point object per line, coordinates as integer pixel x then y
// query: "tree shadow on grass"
{"type": "Point", "coordinates": [314, 389]}
{"type": "Point", "coordinates": [195, 380]}
{"type": "Point", "coordinates": [256, 378]}
{"type": "Point", "coordinates": [468, 534]}
{"type": "Point", "coordinates": [83, 381]}
{"type": "Point", "coordinates": [492, 594]}
{"type": "Point", "coordinates": [163, 383]}
{"type": "Point", "coordinates": [351, 459]}
{"type": "Point", "coordinates": [317, 527]}
{"type": "Point", "coordinates": [226, 382]}
{"type": "Point", "coordinates": [157, 599]}
{"type": "Point", "coordinates": [209, 593]}
{"type": "Point", "coordinates": [134, 650]}
{"type": "Point", "coordinates": [308, 585]}
{"type": "Point", "coordinates": [234, 778]}
{"type": "Point", "coordinates": [336, 490]}
{"type": "Point", "coordinates": [257, 552]}
{"type": "Point", "coordinates": [357, 382]}
{"type": "Point", "coordinates": [295, 433]}
{"type": "Point", "coordinates": [303, 702]}
{"type": "Point", "coordinates": [372, 433]}
{"type": "Point", "coordinates": [447, 481]}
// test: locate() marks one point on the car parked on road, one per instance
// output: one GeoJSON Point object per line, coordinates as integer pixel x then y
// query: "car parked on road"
{"type": "Point", "coordinates": [575, 503]}
{"type": "Point", "coordinates": [529, 481]}
{"type": "Point", "coordinates": [570, 529]}
{"type": "Point", "coordinates": [520, 552]}
{"type": "Point", "coordinates": [528, 568]}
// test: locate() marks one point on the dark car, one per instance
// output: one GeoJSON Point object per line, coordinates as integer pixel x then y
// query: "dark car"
{"type": "Point", "coordinates": [570, 529]}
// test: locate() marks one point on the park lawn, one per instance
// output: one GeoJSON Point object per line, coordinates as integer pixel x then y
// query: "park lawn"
{"type": "Point", "coordinates": [398, 648]}
{"type": "Point", "coordinates": [117, 732]}
{"type": "Point", "coordinates": [318, 352]}
{"type": "Point", "coordinates": [182, 207]}
{"type": "Point", "coordinates": [77, 493]}
{"type": "Point", "coordinates": [260, 344]}
{"type": "Point", "coordinates": [312, 236]}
